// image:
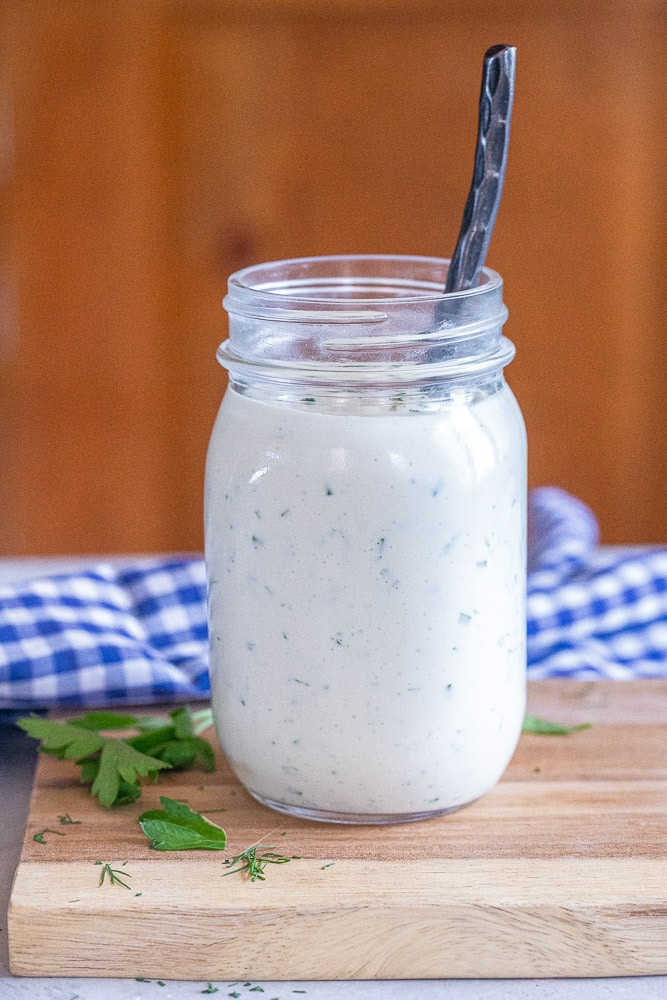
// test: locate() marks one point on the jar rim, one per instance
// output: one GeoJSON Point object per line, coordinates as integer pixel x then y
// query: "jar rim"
{"type": "Point", "coordinates": [335, 271]}
{"type": "Point", "coordinates": [347, 313]}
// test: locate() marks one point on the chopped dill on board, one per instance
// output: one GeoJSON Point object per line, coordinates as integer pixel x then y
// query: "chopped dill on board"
{"type": "Point", "coordinates": [115, 875]}
{"type": "Point", "coordinates": [253, 864]}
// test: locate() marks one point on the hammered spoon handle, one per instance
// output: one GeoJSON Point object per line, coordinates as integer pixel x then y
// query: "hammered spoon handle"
{"type": "Point", "coordinates": [481, 208]}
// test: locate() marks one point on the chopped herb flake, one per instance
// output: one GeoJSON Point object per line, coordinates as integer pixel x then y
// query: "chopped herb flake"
{"type": "Point", "coordinates": [67, 820]}
{"type": "Point", "coordinates": [543, 727]}
{"type": "Point", "coordinates": [39, 837]}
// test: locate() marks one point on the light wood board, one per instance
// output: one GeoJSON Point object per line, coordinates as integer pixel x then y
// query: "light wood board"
{"type": "Point", "coordinates": [561, 870]}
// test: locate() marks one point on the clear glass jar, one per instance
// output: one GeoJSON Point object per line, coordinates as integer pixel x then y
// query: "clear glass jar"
{"type": "Point", "coordinates": [366, 539]}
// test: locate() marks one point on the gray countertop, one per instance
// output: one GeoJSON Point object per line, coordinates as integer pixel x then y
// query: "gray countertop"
{"type": "Point", "coordinates": [17, 761]}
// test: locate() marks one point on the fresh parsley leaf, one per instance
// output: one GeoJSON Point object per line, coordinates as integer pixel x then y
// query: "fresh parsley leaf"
{"type": "Point", "coordinates": [113, 765]}
{"type": "Point", "coordinates": [152, 739]}
{"type": "Point", "coordinates": [177, 743]}
{"type": "Point", "coordinates": [543, 727]}
{"type": "Point", "coordinates": [113, 773]}
{"type": "Point", "coordinates": [183, 726]}
{"type": "Point", "coordinates": [176, 827]}
{"type": "Point", "coordinates": [128, 791]}
{"type": "Point", "coordinates": [184, 753]}
{"type": "Point", "coordinates": [63, 740]}
{"type": "Point", "coordinates": [104, 720]}
{"type": "Point", "coordinates": [89, 768]}
{"type": "Point", "coordinates": [202, 720]}
{"type": "Point", "coordinates": [144, 724]}
{"type": "Point", "coordinates": [120, 761]}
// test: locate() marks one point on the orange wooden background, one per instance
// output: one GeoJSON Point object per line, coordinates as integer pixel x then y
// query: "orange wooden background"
{"type": "Point", "coordinates": [148, 149]}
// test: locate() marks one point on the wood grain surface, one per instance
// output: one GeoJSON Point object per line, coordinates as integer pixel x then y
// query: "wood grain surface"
{"type": "Point", "coordinates": [561, 870]}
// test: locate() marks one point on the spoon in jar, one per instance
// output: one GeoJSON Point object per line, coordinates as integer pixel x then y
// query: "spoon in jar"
{"type": "Point", "coordinates": [493, 133]}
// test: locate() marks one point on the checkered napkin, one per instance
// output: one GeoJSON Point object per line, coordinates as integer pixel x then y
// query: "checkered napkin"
{"type": "Point", "coordinates": [111, 635]}
{"type": "Point", "coordinates": [592, 613]}
{"type": "Point", "coordinates": [116, 634]}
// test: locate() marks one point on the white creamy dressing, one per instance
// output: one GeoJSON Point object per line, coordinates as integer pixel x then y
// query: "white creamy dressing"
{"type": "Point", "coordinates": [367, 601]}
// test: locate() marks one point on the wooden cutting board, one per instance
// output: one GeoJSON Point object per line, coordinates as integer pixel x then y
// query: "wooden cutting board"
{"type": "Point", "coordinates": [561, 870]}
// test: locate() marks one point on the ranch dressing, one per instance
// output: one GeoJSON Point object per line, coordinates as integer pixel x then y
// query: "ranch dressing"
{"type": "Point", "coordinates": [366, 570]}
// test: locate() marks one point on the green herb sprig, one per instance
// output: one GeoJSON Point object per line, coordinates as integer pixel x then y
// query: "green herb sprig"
{"type": "Point", "coordinates": [39, 837]}
{"type": "Point", "coordinates": [254, 865]}
{"type": "Point", "coordinates": [113, 766]}
{"type": "Point", "coordinates": [115, 876]}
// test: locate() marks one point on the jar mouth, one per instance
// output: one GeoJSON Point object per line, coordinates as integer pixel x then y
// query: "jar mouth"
{"type": "Point", "coordinates": [363, 312]}
{"type": "Point", "coordinates": [342, 279]}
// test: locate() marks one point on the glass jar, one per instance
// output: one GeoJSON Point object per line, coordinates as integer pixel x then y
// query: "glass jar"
{"type": "Point", "coordinates": [365, 523]}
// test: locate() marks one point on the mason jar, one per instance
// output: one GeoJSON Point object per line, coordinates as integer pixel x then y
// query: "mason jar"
{"type": "Point", "coordinates": [365, 522]}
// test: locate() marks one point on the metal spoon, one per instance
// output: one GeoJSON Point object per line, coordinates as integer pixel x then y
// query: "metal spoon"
{"type": "Point", "coordinates": [481, 208]}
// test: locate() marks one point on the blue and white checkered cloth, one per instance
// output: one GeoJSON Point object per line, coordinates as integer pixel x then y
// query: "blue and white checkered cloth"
{"type": "Point", "coordinates": [114, 635]}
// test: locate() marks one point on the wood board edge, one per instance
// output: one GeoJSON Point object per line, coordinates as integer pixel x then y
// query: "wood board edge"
{"type": "Point", "coordinates": [424, 925]}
